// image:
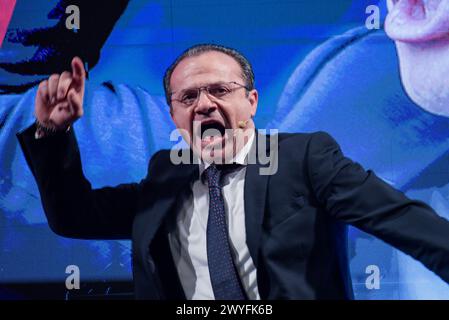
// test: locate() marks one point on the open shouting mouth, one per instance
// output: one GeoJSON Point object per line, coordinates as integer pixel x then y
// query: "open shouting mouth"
{"type": "Point", "coordinates": [211, 132]}
{"type": "Point", "coordinates": [417, 20]}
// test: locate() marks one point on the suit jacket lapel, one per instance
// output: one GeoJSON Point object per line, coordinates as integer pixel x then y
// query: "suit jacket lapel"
{"type": "Point", "coordinates": [255, 190]}
{"type": "Point", "coordinates": [165, 205]}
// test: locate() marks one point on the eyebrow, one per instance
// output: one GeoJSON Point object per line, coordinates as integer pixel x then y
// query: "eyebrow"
{"type": "Point", "coordinates": [201, 86]}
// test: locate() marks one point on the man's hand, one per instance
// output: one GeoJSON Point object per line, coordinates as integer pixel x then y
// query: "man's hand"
{"type": "Point", "coordinates": [59, 100]}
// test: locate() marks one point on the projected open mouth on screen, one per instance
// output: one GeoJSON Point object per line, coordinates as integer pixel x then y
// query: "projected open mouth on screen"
{"type": "Point", "coordinates": [417, 20]}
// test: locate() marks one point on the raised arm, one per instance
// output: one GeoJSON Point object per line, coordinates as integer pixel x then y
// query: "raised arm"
{"type": "Point", "coordinates": [72, 207]}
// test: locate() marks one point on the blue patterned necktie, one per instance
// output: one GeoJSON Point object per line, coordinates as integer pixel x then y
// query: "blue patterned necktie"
{"type": "Point", "coordinates": [223, 273]}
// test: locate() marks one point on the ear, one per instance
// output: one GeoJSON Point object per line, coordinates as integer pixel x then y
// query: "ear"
{"type": "Point", "coordinates": [253, 98]}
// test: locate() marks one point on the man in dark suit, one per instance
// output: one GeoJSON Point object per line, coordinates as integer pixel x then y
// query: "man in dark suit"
{"type": "Point", "coordinates": [206, 230]}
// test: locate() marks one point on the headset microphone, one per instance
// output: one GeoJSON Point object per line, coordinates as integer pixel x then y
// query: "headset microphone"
{"type": "Point", "coordinates": [242, 124]}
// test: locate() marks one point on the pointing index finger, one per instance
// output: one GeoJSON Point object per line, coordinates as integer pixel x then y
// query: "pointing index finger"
{"type": "Point", "coordinates": [78, 72]}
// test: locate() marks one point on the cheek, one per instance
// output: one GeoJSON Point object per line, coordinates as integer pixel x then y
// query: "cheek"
{"type": "Point", "coordinates": [238, 112]}
{"type": "Point", "coordinates": [182, 119]}
{"type": "Point", "coordinates": [244, 111]}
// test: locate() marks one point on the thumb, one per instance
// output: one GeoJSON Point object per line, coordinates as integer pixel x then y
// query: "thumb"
{"type": "Point", "coordinates": [76, 103]}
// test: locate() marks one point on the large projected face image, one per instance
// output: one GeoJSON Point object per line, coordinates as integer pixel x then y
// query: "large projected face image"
{"type": "Point", "coordinates": [357, 87]}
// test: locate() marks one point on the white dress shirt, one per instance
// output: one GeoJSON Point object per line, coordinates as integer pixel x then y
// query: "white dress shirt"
{"type": "Point", "coordinates": [188, 240]}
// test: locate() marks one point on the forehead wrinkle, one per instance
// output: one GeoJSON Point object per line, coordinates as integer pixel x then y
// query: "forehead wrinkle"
{"type": "Point", "coordinates": [218, 67]}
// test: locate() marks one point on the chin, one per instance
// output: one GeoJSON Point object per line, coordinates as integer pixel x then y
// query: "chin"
{"type": "Point", "coordinates": [424, 68]}
{"type": "Point", "coordinates": [215, 156]}
{"type": "Point", "coordinates": [212, 152]}
{"type": "Point", "coordinates": [420, 30]}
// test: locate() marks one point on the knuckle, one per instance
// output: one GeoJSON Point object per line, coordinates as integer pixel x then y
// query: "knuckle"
{"type": "Point", "coordinates": [43, 84]}
{"type": "Point", "coordinates": [53, 77]}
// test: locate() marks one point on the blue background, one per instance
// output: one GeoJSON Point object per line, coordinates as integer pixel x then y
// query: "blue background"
{"type": "Point", "coordinates": [317, 68]}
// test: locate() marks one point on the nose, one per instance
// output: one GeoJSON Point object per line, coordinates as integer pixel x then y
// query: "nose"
{"type": "Point", "coordinates": [204, 104]}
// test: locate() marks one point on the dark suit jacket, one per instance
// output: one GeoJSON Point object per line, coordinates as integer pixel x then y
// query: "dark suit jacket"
{"type": "Point", "coordinates": [295, 219]}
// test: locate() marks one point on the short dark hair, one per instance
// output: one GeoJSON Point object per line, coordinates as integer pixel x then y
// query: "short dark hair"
{"type": "Point", "coordinates": [196, 50]}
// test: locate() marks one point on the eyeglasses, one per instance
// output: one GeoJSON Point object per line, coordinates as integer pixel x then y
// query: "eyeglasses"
{"type": "Point", "coordinates": [218, 91]}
